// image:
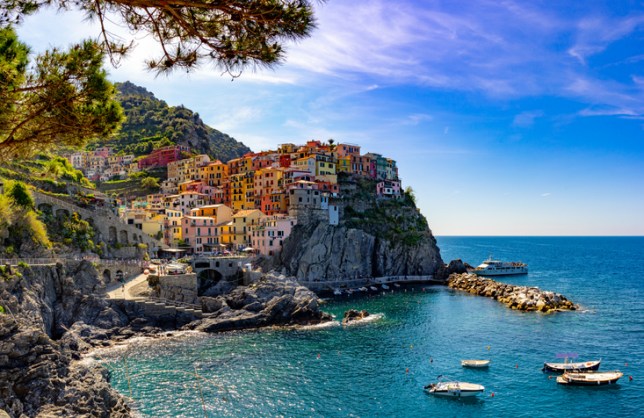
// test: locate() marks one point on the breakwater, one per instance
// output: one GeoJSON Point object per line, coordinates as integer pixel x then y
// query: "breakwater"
{"type": "Point", "coordinates": [522, 298]}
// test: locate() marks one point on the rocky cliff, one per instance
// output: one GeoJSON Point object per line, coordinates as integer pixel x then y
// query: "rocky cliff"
{"type": "Point", "coordinates": [375, 238]}
{"type": "Point", "coordinates": [39, 371]}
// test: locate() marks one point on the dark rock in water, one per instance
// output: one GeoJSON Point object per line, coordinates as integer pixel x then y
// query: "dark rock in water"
{"type": "Point", "coordinates": [354, 315]}
{"type": "Point", "coordinates": [270, 301]}
{"type": "Point", "coordinates": [454, 266]}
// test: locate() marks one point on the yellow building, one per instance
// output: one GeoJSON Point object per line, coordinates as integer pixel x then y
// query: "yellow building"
{"type": "Point", "coordinates": [241, 224]}
{"type": "Point", "coordinates": [242, 191]}
{"type": "Point", "coordinates": [172, 227]}
{"type": "Point", "coordinates": [220, 213]}
{"type": "Point", "coordinates": [214, 174]}
{"type": "Point", "coordinates": [266, 181]}
{"type": "Point", "coordinates": [226, 233]}
{"type": "Point", "coordinates": [344, 164]}
{"type": "Point", "coordinates": [153, 224]}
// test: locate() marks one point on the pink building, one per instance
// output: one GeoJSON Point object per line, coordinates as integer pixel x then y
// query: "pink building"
{"type": "Point", "coordinates": [267, 237]}
{"type": "Point", "coordinates": [389, 189]}
{"type": "Point", "coordinates": [199, 233]}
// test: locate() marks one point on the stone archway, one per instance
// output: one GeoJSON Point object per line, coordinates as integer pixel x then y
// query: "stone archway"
{"type": "Point", "coordinates": [107, 276]}
{"type": "Point", "coordinates": [123, 237]}
{"type": "Point", "coordinates": [62, 213]}
{"type": "Point", "coordinates": [46, 208]}
{"type": "Point", "coordinates": [206, 279]}
{"type": "Point", "coordinates": [112, 239]}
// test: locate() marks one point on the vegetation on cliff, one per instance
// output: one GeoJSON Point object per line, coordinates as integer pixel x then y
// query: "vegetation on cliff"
{"type": "Point", "coordinates": [396, 220]}
{"type": "Point", "coordinates": [151, 124]}
{"type": "Point", "coordinates": [21, 232]}
{"type": "Point", "coordinates": [376, 237]}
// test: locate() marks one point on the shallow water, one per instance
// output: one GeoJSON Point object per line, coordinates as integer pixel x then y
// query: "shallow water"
{"type": "Point", "coordinates": [378, 369]}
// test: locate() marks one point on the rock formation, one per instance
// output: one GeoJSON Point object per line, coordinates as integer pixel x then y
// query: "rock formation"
{"type": "Point", "coordinates": [521, 298]}
{"type": "Point", "coordinates": [375, 238]}
{"type": "Point", "coordinates": [353, 315]}
{"type": "Point", "coordinates": [38, 371]}
{"type": "Point", "coordinates": [270, 301]}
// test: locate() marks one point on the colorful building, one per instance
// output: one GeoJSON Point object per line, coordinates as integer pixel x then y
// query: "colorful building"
{"type": "Point", "coordinates": [241, 224]}
{"type": "Point", "coordinates": [267, 237]}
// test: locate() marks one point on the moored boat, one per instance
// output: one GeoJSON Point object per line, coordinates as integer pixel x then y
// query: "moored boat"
{"type": "Point", "coordinates": [589, 378]}
{"type": "Point", "coordinates": [454, 389]}
{"type": "Point", "coordinates": [582, 366]}
{"type": "Point", "coordinates": [475, 363]}
{"type": "Point", "coordinates": [492, 267]}
{"type": "Point", "coordinates": [384, 286]}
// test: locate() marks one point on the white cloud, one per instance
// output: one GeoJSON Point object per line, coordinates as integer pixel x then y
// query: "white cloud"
{"type": "Point", "coordinates": [545, 194]}
{"type": "Point", "coordinates": [526, 119]}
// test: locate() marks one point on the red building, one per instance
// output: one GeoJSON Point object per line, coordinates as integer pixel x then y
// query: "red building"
{"type": "Point", "coordinates": [162, 156]}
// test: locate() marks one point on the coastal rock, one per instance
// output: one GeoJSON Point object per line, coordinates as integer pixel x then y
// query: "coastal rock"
{"type": "Point", "coordinates": [353, 315]}
{"type": "Point", "coordinates": [374, 238]}
{"type": "Point", "coordinates": [270, 301]}
{"type": "Point", "coordinates": [39, 378]}
{"type": "Point", "coordinates": [53, 316]}
{"type": "Point", "coordinates": [521, 298]}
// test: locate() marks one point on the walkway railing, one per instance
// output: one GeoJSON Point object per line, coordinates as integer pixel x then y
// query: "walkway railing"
{"type": "Point", "coordinates": [171, 302]}
{"type": "Point", "coordinates": [363, 281]}
{"type": "Point", "coordinates": [47, 261]}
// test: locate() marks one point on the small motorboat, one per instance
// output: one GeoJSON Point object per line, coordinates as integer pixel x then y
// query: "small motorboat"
{"type": "Point", "coordinates": [396, 284]}
{"type": "Point", "coordinates": [337, 292]}
{"type": "Point", "coordinates": [589, 378]}
{"type": "Point", "coordinates": [375, 289]}
{"type": "Point", "coordinates": [583, 366]}
{"type": "Point", "coordinates": [477, 364]}
{"type": "Point", "coordinates": [454, 389]}
{"type": "Point", "coordinates": [384, 286]}
{"type": "Point", "coordinates": [363, 289]}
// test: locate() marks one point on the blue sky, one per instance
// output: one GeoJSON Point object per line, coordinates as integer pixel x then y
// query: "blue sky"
{"type": "Point", "coordinates": [506, 118]}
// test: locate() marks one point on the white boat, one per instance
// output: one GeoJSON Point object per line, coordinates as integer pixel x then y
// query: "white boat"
{"type": "Point", "coordinates": [375, 289]}
{"type": "Point", "coordinates": [384, 286]}
{"type": "Point", "coordinates": [454, 389]}
{"type": "Point", "coordinates": [475, 363]}
{"type": "Point", "coordinates": [589, 378]}
{"type": "Point", "coordinates": [396, 284]}
{"type": "Point", "coordinates": [582, 366]}
{"type": "Point", "coordinates": [492, 267]}
{"type": "Point", "coordinates": [337, 292]}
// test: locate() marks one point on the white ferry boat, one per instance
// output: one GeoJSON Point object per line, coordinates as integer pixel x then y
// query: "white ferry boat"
{"type": "Point", "coordinates": [492, 267]}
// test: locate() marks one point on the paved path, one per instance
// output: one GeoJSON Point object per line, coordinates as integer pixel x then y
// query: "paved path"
{"type": "Point", "coordinates": [122, 291]}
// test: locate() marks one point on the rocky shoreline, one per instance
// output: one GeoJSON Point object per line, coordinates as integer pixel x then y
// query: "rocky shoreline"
{"type": "Point", "coordinates": [522, 298]}
{"type": "Point", "coordinates": [55, 315]}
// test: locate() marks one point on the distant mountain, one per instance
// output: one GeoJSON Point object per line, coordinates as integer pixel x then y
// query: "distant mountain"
{"type": "Point", "coordinates": [150, 123]}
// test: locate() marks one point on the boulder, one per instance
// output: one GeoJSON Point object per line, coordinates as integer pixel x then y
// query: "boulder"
{"type": "Point", "coordinates": [354, 315]}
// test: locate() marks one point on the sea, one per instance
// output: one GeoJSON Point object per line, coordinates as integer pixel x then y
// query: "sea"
{"type": "Point", "coordinates": [379, 368]}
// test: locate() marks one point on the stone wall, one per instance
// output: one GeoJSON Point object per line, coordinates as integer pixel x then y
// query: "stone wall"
{"type": "Point", "coordinates": [180, 288]}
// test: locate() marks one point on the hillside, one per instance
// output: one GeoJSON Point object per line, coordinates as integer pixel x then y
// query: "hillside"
{"type": "Point", "coordinates": [150, 123]}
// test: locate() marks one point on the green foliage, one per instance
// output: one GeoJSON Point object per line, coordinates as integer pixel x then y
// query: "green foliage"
{"type": "Point", "coordinates": [36, 230]}
{"type": "Point", "coordinates": [150, 183]}
{"type": "Point", "coordinates": [151, 124]}
{"type": "Point", "coordinates": [61, 168]}
{"type": "Point", "coordinates": [23, 265]}
{"type": "Point", "coordinates": [232, 34]}
{"type": "Point", "coordinates": [410, 195]}
{"type": "Point", "coordinates": [78, 232]}
{"type": "Point", "coordinates": [1, 309]}
{"type": "Point", "coordinates": [63, 98]}
{"type": "Point", "coordinates": [19, 193]}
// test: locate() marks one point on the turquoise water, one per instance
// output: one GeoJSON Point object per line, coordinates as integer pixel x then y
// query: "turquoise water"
{"type": "Point", "coordinates": [378, 369]}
